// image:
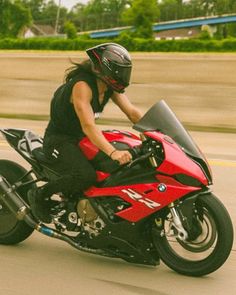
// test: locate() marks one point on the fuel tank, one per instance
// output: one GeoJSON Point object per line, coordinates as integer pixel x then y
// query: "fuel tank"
{"type": "Point", "coordinates": [103, 164]}
{"type": "Point", "coordinates": [121, 140]}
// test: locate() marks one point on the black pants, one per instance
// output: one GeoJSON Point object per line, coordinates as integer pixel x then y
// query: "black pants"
{"type": "Point", "coordinates": [76, 172]}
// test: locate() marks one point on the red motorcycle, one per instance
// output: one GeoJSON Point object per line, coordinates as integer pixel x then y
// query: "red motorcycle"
{"type": "Point", "coordinates": [159, 206]}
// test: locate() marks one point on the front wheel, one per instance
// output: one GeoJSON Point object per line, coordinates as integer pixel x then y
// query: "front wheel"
{"type": "Point", "coordinates": [208, 250]}
{"type": "Point", "coordinates": [12, 230]}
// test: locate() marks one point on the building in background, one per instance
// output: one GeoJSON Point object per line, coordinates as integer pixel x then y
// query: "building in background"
{"type": "Point", "coordinates": [38, 31]}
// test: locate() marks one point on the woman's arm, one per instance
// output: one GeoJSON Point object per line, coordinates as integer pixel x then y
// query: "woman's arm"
{"type": "Point", "coordinates": [81, 98]}
{"type": "Point", "coordinates": [122, 101]}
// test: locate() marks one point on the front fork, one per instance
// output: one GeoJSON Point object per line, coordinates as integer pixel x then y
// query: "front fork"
{"type": "Point", "coordinates": [183, 219]}
{"type": "Point", "coordinates": [176, 222]}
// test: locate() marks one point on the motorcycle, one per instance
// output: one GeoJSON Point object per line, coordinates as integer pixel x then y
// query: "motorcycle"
{"type": "Point", "coordinates": [157, 207]}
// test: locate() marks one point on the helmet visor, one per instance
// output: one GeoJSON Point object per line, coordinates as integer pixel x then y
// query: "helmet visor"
{"type": "Point", "coordinates": [119, 74]}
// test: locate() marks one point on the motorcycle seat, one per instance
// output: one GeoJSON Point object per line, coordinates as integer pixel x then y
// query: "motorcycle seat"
{"type": "Point", "coordinates": [31, 144]}
{"type": "Point", "coordinates": [39, 155]}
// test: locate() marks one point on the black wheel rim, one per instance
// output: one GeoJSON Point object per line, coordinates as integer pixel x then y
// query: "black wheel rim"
{"type": "Point", "coordinates": [198, 249]}
{"type": "Point", "coordinates": [203, 242]}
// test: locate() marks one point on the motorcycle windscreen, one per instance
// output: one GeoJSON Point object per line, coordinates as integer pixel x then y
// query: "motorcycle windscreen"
{"type": "Point", "coordinates": [161, 118]}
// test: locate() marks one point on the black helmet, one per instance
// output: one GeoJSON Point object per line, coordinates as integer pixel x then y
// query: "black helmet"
{"type": "Point", "coordinates": [112, 64]}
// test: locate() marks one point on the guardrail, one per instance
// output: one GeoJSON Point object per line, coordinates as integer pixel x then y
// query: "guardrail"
{"type": "Point", "coordinates": [170, 25]}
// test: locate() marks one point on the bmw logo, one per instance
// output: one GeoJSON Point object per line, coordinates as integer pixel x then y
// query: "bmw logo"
{"type": "Point", "coordinates": [161, 187]}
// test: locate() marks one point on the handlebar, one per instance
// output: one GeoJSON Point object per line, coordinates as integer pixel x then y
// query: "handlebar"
{"type": "Point", "coordinates": [139, 159]}
{"type": "Point", "coordinates": [139, 154]}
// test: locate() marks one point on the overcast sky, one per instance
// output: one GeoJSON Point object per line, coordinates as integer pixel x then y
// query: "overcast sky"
{"type": "Point", "coordinates": [70, 3]}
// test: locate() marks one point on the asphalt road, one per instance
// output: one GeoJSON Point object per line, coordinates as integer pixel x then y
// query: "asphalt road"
{"type": "Point", "coordinates": [42, 265]}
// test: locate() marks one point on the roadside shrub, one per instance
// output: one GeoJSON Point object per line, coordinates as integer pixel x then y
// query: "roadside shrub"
{"type": "Point", "coordinates": [127, 40]}
{"type": "Point", "coordinates": [70, 30]}
{"type": "Point", "coordinates": [229, 44]}
{"type": "Point", "coordinates": [204, 35]}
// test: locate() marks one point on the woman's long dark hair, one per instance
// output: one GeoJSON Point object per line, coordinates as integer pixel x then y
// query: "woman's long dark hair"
{"type": "Point", "coordinates": [84, 66]}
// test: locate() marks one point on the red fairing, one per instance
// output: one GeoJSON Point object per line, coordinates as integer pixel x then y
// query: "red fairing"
{"type": "Point", "coordinates": [145, 199]}
{"type": "Point", "coordinates": [176, 161]}
{"type": "Point", "coordinates": [90, 150]}
{"type": "Point", "coordinates": [101, 175]}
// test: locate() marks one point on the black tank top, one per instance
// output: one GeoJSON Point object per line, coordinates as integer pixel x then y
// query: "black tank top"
{"type": "Point", "coordinates": [63, 118]}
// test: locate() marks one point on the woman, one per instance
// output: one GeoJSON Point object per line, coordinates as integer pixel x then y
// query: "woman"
{"type": "Point", "coordinates": [88, 87]}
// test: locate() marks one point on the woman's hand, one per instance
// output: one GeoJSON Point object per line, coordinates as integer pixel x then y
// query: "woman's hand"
{"type": "Point", "coordinates": [123, 157]}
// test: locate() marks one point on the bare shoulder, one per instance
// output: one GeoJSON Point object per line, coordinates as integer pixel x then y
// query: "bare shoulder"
{"type": "Point", "coordinates": [81, 87]}
{"type": "Point", "coordinates": [81, 92]}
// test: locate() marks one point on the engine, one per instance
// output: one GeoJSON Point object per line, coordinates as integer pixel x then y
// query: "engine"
{"type": "Point", "coordinates": [89, 219]}
{"type": "Point", "coordinates": [78, 216]}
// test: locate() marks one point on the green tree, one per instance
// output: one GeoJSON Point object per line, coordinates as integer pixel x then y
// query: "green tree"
{"type": "Point", "coordinates": [178, 9]}
{"type": "Point", "coordinates": [193, 8]}
{"type": "Point", "coordinates": [70, 30]}
{"type": "Point", "coordinates": [168, 10]}
{"type": "Point", "coordinates": [98, 14]}
{"type": "Point", "coordinates": [90, 16]}
{"type": "Point", "coordinates": [115, 9]}
{"type": "Point", "coordinates": [232, 27]}
{"type": "Point", "coordinates": [141, 15]}
{"type": "Point", "coordinates": [95, 13]}
{"type": "Point", "coordinates": [78, 17]}
{"type": "Point", "coordinates": [45, 12]}
{"type": "Point", "coordinates": [217, 7]}
{"type": "Point", "coordinates": [4, 16]}
{"type": "Point", "coordinates": [49, 13]}
{"type": "Point", "coordinates": [36, 7]}
{"type": "Point", "coordinates": [14, 16]}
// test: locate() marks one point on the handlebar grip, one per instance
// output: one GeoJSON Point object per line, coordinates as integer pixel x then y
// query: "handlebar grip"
{"type": "Point", "coordinates": [135, 152]}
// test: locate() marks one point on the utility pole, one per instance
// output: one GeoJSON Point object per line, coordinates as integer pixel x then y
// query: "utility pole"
{"type": "Point", "coordinates": [57, 18]}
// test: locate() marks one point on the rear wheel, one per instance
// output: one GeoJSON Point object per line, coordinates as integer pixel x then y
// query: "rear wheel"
{"type": "Point", "coordinates": [13, 231]}
{"type": "Point", "coordinates": [210, 247]}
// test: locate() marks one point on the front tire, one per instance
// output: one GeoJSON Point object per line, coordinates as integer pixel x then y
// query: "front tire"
{"type": "Point", "coordinates": [208, 251]}
{"type": "Point", "coordinates": [13, 231]}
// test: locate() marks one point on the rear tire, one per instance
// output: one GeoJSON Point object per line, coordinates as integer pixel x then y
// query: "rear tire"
{"type": "Point", "coordinates": [13, 231]}
{"type": "Point", "coordinates": [214, 242]}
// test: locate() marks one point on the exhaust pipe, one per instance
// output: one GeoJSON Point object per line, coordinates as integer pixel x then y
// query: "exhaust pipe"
{"type": "Point", "coordinates": [15, 203]}
{"type": "Point", "coordinates": [21, 210]}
